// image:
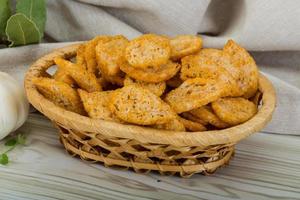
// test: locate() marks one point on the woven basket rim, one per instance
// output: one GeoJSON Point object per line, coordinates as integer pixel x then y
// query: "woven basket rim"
{"type": "Point", "coordinates": [142, 134]}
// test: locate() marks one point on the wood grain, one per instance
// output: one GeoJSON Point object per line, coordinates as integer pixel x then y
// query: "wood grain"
{"type": "Point", "coordinates": [266, 166]}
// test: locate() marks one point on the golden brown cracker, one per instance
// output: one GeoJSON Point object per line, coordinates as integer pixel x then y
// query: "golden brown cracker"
{"type": "Point", "coordinates": [110, 55]}
{"type": "Point", "coordinates": [234, 110]}
{"type": "Point", "coordinates": [222, 59]}
{"type": "Point", "coordinates": [189, 116]}
{"type": "Point", "coordinates": [96, 104]}
{"type": "Point", "coordinates": [156, 88]}
{"type": "Point", "coordinates": [206, 114]}
{"type": "Point", "coordinates": [192, 126]}
{"type": "Point", "coordinates": [232, 87]}
{"type": "Point", "coordinates": [163, 73]}
{"type": "Point", "coordinates": [173, 125]}
{"type": "Point", "coordinates": [80, 59]}
{"type": "Point", "coordinates": [137, 105]}
{"type": "Point", "coordinates": [184, 45]}
{"type": "Point", "coordinates": [242, 60]}
{"type": "Point", "coordinates": [197, 66]}
{"type": "Point", "coordinates": [61, 75]}
{"type": "Point", "coordinates": [148, 50]}
{"type": "Point", "coordinates": [228, 73]}
{"type": "Point", "coordinates": [212, 64]}
{"type": "Point", "coordinates": [60, 93]}
{"type": "Point", "coordinates": [90, 52]}
{"type": "Point", "coordinates": [194, 93]}
{"type": "Point", "coordinates": [82, 77]}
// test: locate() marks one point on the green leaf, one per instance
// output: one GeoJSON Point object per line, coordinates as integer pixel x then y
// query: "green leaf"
{"type": "Point", "coordinates": [35, 10]}
{"type": "Point", "coordinates": [11, 142]}
{"type": "Point", "coordinates": [4, 159]}
{"type": "Point", "coordinates": [5, 13]}
{"type": "Point", "coordinates": [20, 30]}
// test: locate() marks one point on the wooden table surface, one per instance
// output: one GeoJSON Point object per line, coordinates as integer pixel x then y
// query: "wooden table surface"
{"type": "Point", "coordinates": [266, 166]}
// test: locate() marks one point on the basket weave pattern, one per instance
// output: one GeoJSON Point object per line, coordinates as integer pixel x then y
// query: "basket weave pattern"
{"type": "Point", "coordinates": [139, 148]}
{"type": "Point", "coordinates": [167, 159]}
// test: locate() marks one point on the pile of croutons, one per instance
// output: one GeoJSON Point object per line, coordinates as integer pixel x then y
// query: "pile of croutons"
{"type": "Point", "coordinates": [157, 82]}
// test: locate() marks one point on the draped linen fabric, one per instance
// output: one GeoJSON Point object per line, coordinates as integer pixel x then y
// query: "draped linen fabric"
{"type": "Point", "coordinates": [270, 29]}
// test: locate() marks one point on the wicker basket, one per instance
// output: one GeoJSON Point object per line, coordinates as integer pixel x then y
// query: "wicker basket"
{"type": "Point", "coordinates": [144, 149]}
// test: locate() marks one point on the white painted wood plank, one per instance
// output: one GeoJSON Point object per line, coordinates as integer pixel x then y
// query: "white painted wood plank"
{"type": "Point", "coordinates": [266, 166]}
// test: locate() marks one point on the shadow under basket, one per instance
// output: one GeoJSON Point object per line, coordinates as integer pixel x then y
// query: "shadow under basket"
{"type": "Point", "coordinates": [139, 148]}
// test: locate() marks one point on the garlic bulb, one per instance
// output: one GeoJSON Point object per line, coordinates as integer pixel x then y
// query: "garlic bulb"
{"type": "Point", "coordinates": [13, 105]}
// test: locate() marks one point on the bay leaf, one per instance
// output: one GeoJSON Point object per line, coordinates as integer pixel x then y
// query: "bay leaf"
{"type": "Point", "coordinates": [20, 30]}
{"type": "Point", "coordinates": [35, 10]}
{"type": "Point", "coordinates": [5, 13]}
